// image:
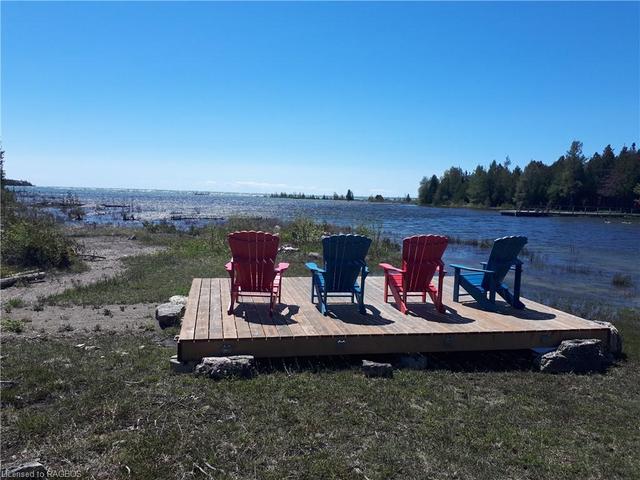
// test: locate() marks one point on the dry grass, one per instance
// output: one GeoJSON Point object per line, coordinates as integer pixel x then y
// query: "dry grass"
{"type": "Point", "coordinates": [119, 409]}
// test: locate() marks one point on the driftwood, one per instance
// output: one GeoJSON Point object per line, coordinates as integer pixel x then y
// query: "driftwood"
{"type": "Point", "coordinates": [21, 277]}
{"type": "Point", "coordinates": [91, 257]}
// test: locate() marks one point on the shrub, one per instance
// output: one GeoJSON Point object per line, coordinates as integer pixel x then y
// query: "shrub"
{"type": "Point", "coordinates": [36, 241]}
{"type": "Point", "coordinates": [302, 231]}
{"type": "Point", "coordinates": [13, 303]}
{"type": "Point", "coordinates": [12, 325]}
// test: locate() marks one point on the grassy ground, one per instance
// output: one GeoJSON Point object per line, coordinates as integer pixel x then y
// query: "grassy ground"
{"type": "Point", "coordinates": [203, 253]}
{"type": "Point", "coordinates": [119, 409]}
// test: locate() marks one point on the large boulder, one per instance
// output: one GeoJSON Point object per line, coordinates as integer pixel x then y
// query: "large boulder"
{"type": "Point", "coordinates": [238, 366]}
{"type": "Point", "coordinates": [181, 367]}
{"type": "Point", "coordinates": [578, 356]}
{"type": "Point", "coordinates": [614, 346]}
{"type": "Point", "coordinates": [169, 314]}
{"type": "Point", "coordinates": [179, 300]}
{"type": "Point", "coordinates": [376, 369]}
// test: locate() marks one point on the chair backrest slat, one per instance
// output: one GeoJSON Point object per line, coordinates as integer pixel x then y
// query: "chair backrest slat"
{"type": "Point", "coordinates": [344, 256]}
{"type": "Point", "coordinates": [254, 256]}
{"type": "Point", "coordinates": [421, 255]}
{"type": "Point", "coordinates": [503, 254]}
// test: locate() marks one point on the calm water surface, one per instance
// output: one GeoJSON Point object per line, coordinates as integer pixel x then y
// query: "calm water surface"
{"type": "Point", "coordinates": [572, 258]}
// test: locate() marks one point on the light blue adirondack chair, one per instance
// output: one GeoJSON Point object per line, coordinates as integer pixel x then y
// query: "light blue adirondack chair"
{"type": "Point", "coordinates": [483, 283]}
{"type": "Point", "coordinates": [344, 260]}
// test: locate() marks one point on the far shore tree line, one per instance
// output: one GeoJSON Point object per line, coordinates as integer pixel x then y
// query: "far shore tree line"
{"type": "Point", "coordinates": [604, 180]}
{"type": "Point", "coordinates": [348, 197]}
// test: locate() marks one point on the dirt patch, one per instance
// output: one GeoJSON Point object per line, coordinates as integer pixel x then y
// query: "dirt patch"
{"type": "Point", "coordinates": [55, 320]}
{"type": "Point", "coordinates": [36, 318]}
{"type": "Point", "coordinates": [114, 249]}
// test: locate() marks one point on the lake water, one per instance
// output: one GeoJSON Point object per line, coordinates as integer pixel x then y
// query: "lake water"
{"type": "Point", "coordinates": [572, 258]}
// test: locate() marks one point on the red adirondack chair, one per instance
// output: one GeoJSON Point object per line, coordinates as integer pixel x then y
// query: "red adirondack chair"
{"type": "Point", "coordinates": [421, 257]}
{"type": "Point", "coordinates": [253, 268]}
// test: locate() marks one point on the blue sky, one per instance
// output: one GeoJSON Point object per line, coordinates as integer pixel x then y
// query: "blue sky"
{"type": "Point", "coordinates": [314, 97]}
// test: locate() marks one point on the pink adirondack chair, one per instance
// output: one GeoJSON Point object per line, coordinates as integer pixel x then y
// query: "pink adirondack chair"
{"type": "Point", "coordinates": [421, 257]}
{"type": "Point", "coordinates": [253, 269]}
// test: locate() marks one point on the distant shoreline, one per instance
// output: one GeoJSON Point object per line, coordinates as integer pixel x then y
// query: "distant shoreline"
{"type": "Point", "coordinates": [17, 183]}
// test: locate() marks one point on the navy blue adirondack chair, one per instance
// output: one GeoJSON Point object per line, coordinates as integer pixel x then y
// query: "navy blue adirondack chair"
{"type": "Point", "coordinates": [344, 261]}
{"type": "Point", "coordinates": [483, 283]}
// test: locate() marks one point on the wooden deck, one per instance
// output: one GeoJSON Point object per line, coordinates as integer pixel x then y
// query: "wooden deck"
{"type": "Point", "coordinates": [299, 329]}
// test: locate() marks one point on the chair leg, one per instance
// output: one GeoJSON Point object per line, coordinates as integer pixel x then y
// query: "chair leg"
{"type": "Point", "coordinates": [439, 304]}
{"type": "Point", "coordinates": [323, 305]}
{"type": "Point", "coordinates": [456, 285]}
{"type": "Point", "coordinates": [386, 288]}
{"type": "Point", "coordinates": [313, 288]}
{"type": "Point", "coordinates": [231, 304]}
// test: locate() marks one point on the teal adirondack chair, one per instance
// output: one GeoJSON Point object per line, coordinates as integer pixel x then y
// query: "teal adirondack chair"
{"type": "Point", "coordinates": [344, 261]}
{"type": "Point", "coordinates": [483, 283]}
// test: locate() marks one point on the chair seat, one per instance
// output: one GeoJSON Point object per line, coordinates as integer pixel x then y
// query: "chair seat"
{"type": "Point", "coordinates": [396, 281]}
{"type": "Point", "coordinates": [475, 279]}
{"type": "Point", "coordinates": [321, 282]}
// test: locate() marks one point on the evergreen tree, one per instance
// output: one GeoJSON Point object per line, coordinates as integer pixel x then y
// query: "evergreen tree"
{"type": "Point", "coordinates": [349, 196]}
{"type": "Point", "coordinates": [478, 190]}
{"type": "Point", "coordinates": [427, 190]}
{"type": "Point", "coordinates": [533, 185]}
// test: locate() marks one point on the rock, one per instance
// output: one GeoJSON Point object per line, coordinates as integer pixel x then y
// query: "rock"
{"type": "Point", "coordinates": [314, 255]}
{"type": "Point", "coordinates": [181, 367]}
{"type": "Point", "coordinates": [133, 237]}
{"type": "Point", "coordinates": [169, 314]}
{"type": "Point", "coordinates": [7, 384]}
{"type": "Point", "coordinates": [375, 369]}
{"type": "Point", "coordinates": [80, 345]}
{"type": "Point", "coordinates": [578, 356]}
{"type": "Point", "coordinates": [25, 470]}
{"type": "Point", "coordinates": [91, 347]}
{"type": "Point", "coordinates": [412, 361]}
{"type": "Point", "coordinates": [614, 346]}
{"type": "Point", "coordinates": [241, 366]}
{"type": "Point", "coordinates": [179, 300]}
{"type": "Point", "coordinates": [288, 248]}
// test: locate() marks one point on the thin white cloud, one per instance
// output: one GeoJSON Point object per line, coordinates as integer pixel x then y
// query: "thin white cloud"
{"type": "Point", "coordinates": [251, 183]}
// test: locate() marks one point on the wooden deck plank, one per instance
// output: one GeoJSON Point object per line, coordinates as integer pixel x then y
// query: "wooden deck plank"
{"type": "Point", "coordinates": [228, 321]}
{"type": "Point", "coordinates": [187, 331]}
{"type": "Point", "coordinates": [300, 329]}
{"type": "Point", "coordinates": [204, 304]}
{"type": "Point", "coordinates": [310, 310]}
{"type": "Point", "coordinates": [291, 296]}
{"type": "Point", "coordinates": [215, 310]}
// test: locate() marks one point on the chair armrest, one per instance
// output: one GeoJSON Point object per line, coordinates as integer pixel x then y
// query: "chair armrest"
{"type": "Point", "coordinates": [282, 267]}
{"type": "Point", "coordinates": [313, 267]}
{"type": "Point", "coordinates": [387, 267]}
{"type": "Point", "coordinates": [462, 267]}
{"type": "Point", "coordinates": [229, 266]}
